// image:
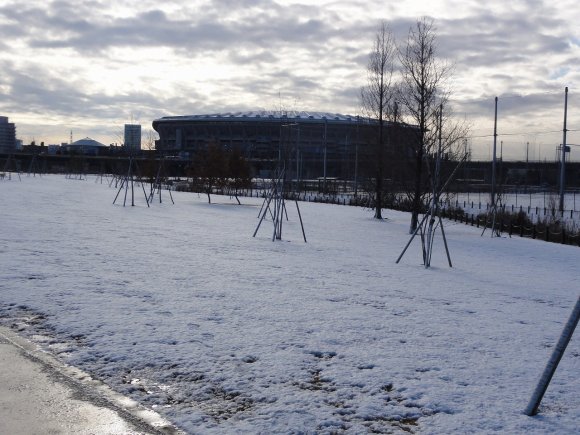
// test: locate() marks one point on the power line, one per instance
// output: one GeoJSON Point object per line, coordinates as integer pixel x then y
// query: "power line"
{"type": "Point", "coordinates": [531, 133]}
{"type": "Point", "coordinates": [511, 96]}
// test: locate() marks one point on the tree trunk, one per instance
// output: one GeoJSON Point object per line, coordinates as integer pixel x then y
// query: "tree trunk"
{"type": "Point", "coordinates": [417, 192]}
{"type": "Point", "coordinates": [379, 197]}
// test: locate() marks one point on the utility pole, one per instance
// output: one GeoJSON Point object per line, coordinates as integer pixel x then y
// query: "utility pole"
{"type": "Point", "coordinates": [563, 158]}
{"type": "Point", "coordinates": [527, 152]}
{"type": "Point", "coordinates": [325, 144]}
{"type": "Point", "coordinates": [494, 158]}
{"type": "Point", "coordinates": [527, 163]}
{"type": "Point", "coordinates": [297, 156]}
{"type": "Point", "coordinates": [356, 157]}
{"type": "Point", "coordinates": [501, 160]}
{"type": "Point", "coordinates": [493, 207]}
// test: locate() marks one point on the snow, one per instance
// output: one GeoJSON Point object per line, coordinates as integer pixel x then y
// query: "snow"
{"type": "Point", "coordinates": [539, 207]}
{"type": "Point", "coordinates": [178, 307]}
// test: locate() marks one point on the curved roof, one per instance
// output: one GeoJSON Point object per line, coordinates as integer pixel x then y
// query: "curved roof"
{"type": "Point", "coordinates": [87, 142]}
{"type": "Point", "coordinates": [265, 115]}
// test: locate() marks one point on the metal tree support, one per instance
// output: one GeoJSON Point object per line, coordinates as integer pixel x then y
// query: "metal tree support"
{"type": "Point", "coordinates": [156, 186]}
{"type": "Point", "coordinates": [102, 174]}
{"type": "Point", "coordinates": [275, 204]}
{"type": "Point", "coordinates": [552, 365]}
{"type": "Point", "coordinates": [432, 219]}
{"type": "Point", "coordinates": [75, 167]}
{"type": "Point", "coordinates": [11, 166]}
{"type": "Point", "coordinates": [33, 167]}
{"type": "Point", "coordinates": [130, 180]}
{"type": "Point", "coordinates": [430, 222]}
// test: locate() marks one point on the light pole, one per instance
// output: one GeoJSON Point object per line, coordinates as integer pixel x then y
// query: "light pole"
{"type": "Point", "coordinates": [563, 158]}
{"type": "Point", "coordinates": [325, 145]}
{"type": "Point", "coordinates": [494, 158]}
{"type": "Point", "coordinates": [527, 162]}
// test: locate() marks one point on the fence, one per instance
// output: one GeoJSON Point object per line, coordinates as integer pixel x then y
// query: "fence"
{"type": "Point", "coordinates": [539, 204]}
{"type": "Point", "coordinates": [513, 224]}
{"type": "Point", "coordinates": [550, 233]}
{"type": "Point", "coordinates": [535, 213]}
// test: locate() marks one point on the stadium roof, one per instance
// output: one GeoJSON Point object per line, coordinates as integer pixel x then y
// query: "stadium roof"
{"type": "Point", "coordinates": [87, 142]}
{"type": "Point", "coordinates": [272, 115]}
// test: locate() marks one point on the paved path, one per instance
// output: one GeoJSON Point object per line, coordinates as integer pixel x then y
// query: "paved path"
{"type": "Point", "coordinates": [40, 395]}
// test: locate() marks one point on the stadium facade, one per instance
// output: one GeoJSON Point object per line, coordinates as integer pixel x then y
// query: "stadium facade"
{"type": "Point", "coordinates": [313, 144]}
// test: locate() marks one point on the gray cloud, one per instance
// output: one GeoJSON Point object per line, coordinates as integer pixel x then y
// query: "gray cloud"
{"type": "Point", "coordinates": [257, 57]}
{"type": "Point", "coordinates": [317, 54]}
{"type": "Point", "coordinates": [48, 93]}
{"type": "Point", "coordinates": [62, 26]}
{"type": "Point", "coordinates": [518, 113]}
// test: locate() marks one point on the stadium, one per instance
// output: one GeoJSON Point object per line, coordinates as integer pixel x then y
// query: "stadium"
{"type": "Point", "coordinates": [313, 144]}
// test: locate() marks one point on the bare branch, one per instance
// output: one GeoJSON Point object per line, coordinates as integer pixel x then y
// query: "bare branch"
{"type": "Point", "coordinates": [423, 91]}
{"type": "Point", "coordinates": [377, 99]}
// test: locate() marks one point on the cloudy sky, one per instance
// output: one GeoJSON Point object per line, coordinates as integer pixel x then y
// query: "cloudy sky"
{"type": "Point", "coordinates": [91, 66]}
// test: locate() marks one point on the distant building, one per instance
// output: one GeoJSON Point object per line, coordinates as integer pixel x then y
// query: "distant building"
{"type": "Point", "coordinates": [86, 146]}
{"type": "Point", "coordinates": [133, 137]}
{"type": "Point", "coordinates": [53, 149]}
{"type": "Point", "coordinates": [316, 144]}
{"type": "Point", "coordinates": [7, 136]}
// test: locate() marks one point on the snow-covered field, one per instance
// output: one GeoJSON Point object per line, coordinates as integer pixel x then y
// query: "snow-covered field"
{"type": "Point", "coordinates": [539, 207]}
{"type": "Point", "coordinates": [180, 308]}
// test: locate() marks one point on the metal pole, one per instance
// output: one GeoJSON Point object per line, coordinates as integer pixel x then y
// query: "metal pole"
{"type": "Point", "coordinates": [297, 156]}
{"type": "Point", "coordinates": [527, 152]}
{"type": "Point", "coordinates": [435, 199]}
{"type": "Point", "coordinates": [133, 191]}
{"type": "Point", "coordinates": [324, 184]}
{"type": "Point", "coordinates": [532, 407]}
{"type": "Point", "coordinates": [445, 242]}
{"type": "Point", "coordinates": [527, 164]}
{"type": "Point", "coordinates": [301, 223]}
{"type": "Point", "coordinates": [356, 157]}
{"type": "Point", "coordinates": [419, 227]}
{"type": "Point", "coordinates": [563, 158]}
{"type": "Point", "coordinates": [494, 156]}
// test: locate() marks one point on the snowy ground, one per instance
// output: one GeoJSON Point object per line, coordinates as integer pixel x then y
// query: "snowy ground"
{"type": "Point", "coordinates": [540, 207]}
{"type": "Point", "coordinates": [180, 308]}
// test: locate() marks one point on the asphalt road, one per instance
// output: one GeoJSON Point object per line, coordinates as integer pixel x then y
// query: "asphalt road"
{"type": "Point", "coordinates": [40, 395]}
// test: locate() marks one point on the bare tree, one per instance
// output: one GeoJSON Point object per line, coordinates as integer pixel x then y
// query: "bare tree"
{"type": "Point", "coordinates": [453, 134]}
{"type": "Point", "coordinates": [377, 99]}
{"type": "Point", "coordinates": [150, 139]}
{"type": "Point", "coordinates": [209, 169]}
{"type": "Point", "coordinates": [239, 173]}
{"type": "Point", "coordinates": [423, 91]}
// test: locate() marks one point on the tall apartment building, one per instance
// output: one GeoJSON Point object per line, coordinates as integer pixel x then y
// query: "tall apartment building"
{"type": "Point", "coordinates": [7, 136]}
{"type": "Point", "coordinates": [133, 136]}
